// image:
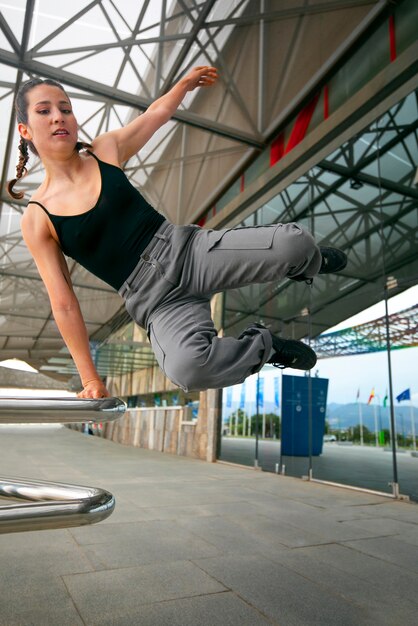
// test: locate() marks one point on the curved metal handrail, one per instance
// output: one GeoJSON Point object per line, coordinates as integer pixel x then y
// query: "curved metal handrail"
{"type": "Point", "coordinates": [51, 505]}
{"type": "Point", "coordinates": [48, 504]}
{"type": "Point", "coordinates": [62, 410]}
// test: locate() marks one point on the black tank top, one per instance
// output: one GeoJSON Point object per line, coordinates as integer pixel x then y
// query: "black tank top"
{"type": "Point", "coordinates": [109, 238]}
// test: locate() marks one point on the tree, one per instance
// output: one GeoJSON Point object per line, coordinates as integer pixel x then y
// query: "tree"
{"type": "Point", "coordinates": [239, 415]}
{"type": "Point", "coordinates": [368, 436]}
{"type": "Point", "coordinates": [272, 425]}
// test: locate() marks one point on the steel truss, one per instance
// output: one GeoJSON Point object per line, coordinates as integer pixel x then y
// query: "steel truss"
{"type": "Point", "coordinates": [361, 199]}
{"type": "Point", "coordinates": [371, 336]}
{"type": "Point", "coordinates": [114, 59]}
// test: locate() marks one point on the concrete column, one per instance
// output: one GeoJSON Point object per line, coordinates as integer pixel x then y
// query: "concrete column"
{"type": "Point", "coordinates": [214, 408]}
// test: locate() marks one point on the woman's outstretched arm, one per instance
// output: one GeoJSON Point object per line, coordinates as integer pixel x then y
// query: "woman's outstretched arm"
{"type": "Point", "coordinates": [128, 140]}
{"type": "Point", "coordinates": [65, 307]}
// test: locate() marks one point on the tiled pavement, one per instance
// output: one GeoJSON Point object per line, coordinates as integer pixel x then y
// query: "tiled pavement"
{"type": "Point", "coordinates": [195, 544]}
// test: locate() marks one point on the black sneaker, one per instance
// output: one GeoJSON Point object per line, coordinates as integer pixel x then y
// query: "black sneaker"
{"type": "Point", "coordinates": [290, 353]}
{"type": "Point", "coordinates": [333, 260]}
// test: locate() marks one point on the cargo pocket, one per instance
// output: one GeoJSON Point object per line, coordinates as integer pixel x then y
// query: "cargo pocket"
{"type": "Point", "coordinates": [248, 238]}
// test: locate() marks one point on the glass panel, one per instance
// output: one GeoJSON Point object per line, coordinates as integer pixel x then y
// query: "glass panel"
{"type": "Point", "coordinates": [229, 195]}
{"type": "Point", "coordinates": [361, 208]}
{"type": "Point", "coordinates": [239, 423]}
{"type": "Point", "coordinates": [405, 24]}
{"type": "Point", "coordinates": [260, 165]}
{"type": "Point", "coordinates": [366, 62]}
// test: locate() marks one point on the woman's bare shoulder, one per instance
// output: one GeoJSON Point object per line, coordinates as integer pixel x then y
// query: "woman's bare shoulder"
{"type": "Point", "coordinates": [34, 222]}
{"type": "Point", "coordinates": [106, 149]}
{"type": "Point", "coordinates": [32, 217]}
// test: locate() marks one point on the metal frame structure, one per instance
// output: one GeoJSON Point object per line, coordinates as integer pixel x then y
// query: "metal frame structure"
{"type": "Point", "coordinates": [361, 199]}
{"type": "Point", "coordinates": [370, 336]}
{"type": "Point", "coordinates": [115, 59]}
{"type": "Point", "coordinates": [47, 504]}
{"type": "Point", "coordinates": [130, 356]}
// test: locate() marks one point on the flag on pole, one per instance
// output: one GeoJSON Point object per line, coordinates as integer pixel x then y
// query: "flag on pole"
{"type": "Point", "coordinates": [385, 400]}
{"type": "Point", "coordinates": [276, 393]}
{"type": "Point", "coordinates": [405, 395]}
{"type": "Point", "coordinates": [229, 397]}
{"type": "Point", "coordinates": [242, 397]}
{"type": "Point", "coordinates": [371, 396]}
{"type": "Point", "coordinates": [260, 392]}
{"type": "Point", "coordinates": [358, 393]}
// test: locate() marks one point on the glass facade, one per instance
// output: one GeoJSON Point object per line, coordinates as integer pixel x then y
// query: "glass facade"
{"type": "Point", "coordinates": [362, 199]}
{"type": "Point", "coordinates": [388, 41]}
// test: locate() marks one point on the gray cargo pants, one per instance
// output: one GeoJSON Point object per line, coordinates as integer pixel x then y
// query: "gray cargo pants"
{"type": "Point", "coordinates": [169, 292]}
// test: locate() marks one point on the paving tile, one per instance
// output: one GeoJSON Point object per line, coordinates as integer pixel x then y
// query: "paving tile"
{"type": "Point", "coordinates": [121, 592]}
{"type": "Point", "coordinates": [389, 549]}
{"type": "Point", "coordinates": [386, 526]}
{"type": "Point", "coordinates": [387, 608]}
{"type": "Point", "coordinates": [411, 536]}
{"type": "Point", "coordinates": [315, 527]}
{"type": "Point", "coordinates": [220, 609]}
{"type": "Point", "coordinates": [309, 493]}
{"type": "Point", "coordinates": [283, 595]}
{"type": "Point", "coordinates": [185, 511]}
{"type": "Point", "coordinates": [125, 511]}
{"type": "Point", "coordinates": [52, 551]}
{"type": "Point", "coordinates": [383, 575]}
{"type": "Point", "coordinates": [406, 511]}
{"type": "Point", "coordinates": [227, 535]}
{"type": "Point", "coordinates": [186, 494]}
{"type": "Point", "coordinates": [125, 545]}
{"type": "Point", "coordinates": [276, 531]}
{"type": "Point", "coordinates": [38, 599]}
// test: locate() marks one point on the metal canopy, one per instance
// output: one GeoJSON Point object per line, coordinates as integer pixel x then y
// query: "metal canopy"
{"type": "Point", "coordinates": [362, 339]}
{"type": "Point", "coordinates": [115, 58]}
{"type": "Point", "coordinates": [361, 199]}
{"type": "Point", "coordinates": [371, 336]}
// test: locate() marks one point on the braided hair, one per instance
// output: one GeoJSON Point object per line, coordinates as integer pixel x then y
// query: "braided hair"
{"type": "Point", "coordinates": [20, 169]}
{"type": "Point", "coordinates": [21, 108]}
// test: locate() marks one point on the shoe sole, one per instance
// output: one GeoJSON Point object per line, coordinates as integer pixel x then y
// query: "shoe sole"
{"type": "Point", "coordinates": [304, 357]}
{"type": "Point", "coordinates": [335, 268]}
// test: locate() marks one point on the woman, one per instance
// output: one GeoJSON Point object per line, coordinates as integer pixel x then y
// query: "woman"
{"type": "Point", "coordinates": [87, 209]}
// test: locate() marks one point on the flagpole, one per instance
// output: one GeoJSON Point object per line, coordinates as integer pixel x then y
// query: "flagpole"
{"type": "Point", "coordinates": [395, 484]}
{"type": "Point", "coordinates": [375, 426]}
{"type": "Point", "coordinates": [360, 416]}
{"type": "Point", "coordinates": [414, 443]}
{"type": "Point", "coordinates": [257, 418]}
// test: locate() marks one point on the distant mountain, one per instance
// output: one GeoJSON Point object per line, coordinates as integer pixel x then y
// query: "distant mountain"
{"type": "Point", "coordinates": [342, 416]}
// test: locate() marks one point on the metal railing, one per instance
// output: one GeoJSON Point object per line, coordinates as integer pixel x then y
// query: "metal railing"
{"type": "Point", "coordinates": [47, 504]}
{"type": "Point", "coordinates": [59, 410]}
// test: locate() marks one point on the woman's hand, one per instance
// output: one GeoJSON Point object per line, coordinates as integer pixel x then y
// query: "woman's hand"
{"type": "Point", "coordinates": [94, 389]}
{"type": "Point", "coordinates": [201, 76]}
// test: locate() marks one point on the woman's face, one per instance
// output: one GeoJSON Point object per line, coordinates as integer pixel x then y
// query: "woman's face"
{"type": "Point", "coordinates": [51, 126]}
